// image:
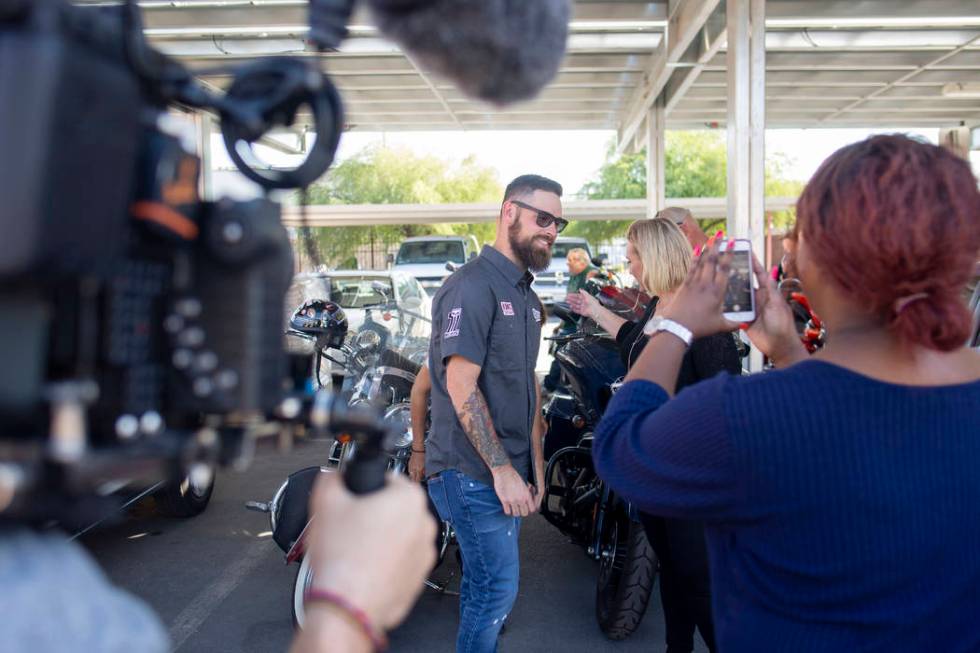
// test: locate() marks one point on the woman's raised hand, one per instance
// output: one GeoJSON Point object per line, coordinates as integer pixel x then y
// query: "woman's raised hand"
{"type": "Point", "coordinates": [773, 332]}
{"type": "Point", "coordinates": [697, 304]}
{"type": "Point", "coordinates": [582, 303]}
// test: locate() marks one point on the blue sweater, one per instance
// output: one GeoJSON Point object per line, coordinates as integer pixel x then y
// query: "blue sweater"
{"type": "Point", "coordinates": [842, 513]}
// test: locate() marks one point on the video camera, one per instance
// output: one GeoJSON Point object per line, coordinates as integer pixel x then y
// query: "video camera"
{"type": "Point", "coordinates": [140, 326]}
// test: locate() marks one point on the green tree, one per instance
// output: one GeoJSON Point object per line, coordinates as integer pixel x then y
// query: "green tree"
{"type": "Point", "coordinates": [695, 166]}
{"type": "Point", "coordinates": [380, 175]}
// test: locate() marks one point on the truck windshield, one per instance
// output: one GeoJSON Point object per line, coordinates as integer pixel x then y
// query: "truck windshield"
{"type": "Point", "coordinates": [430, 252]}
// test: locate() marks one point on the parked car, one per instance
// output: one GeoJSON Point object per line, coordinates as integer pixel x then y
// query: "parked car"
{"type": "Point", "coordinates": [550, 284]}
{"type": "Point", "coordinates": [425, 258]}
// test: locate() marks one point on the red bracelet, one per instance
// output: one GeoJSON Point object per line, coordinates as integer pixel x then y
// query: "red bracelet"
{"type": "Point", "coordinates": [378, 639]}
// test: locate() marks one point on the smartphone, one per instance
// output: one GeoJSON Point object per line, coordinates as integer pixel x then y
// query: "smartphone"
{"type": "Point", "coordinates": [739, 303]}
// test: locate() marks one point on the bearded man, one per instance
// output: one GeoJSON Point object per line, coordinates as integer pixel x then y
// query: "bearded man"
{"type": "Point", "coordinates": [484, 456]}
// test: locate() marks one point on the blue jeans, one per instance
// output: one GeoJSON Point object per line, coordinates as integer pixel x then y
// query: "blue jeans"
{"type": "Point", "coordinates": [487, 541]}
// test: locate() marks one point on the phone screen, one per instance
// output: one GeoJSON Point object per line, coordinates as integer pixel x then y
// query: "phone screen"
{"type": "Point", "coordinates": [738, 296]}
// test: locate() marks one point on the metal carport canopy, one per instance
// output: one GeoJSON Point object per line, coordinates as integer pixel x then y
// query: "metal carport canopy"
{"type": "Point", "coordinates": [340, 215]}
{"type": "Point", "coordinates": [829, 63]}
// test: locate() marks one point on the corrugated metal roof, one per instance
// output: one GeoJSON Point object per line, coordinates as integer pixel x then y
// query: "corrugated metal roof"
{"type": "Point", "coordinates": [830, 63]}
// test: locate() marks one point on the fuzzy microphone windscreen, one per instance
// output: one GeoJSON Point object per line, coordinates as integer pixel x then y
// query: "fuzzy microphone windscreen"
{"type": "Point", "coordinates": [497, 50]}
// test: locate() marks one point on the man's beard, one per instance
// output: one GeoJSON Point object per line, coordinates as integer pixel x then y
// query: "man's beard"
{"type": "Point", "coordinates": [533, 259]}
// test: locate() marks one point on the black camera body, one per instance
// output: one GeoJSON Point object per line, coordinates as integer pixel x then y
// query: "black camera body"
{"type": "Point", "coordinates": [136, 320]}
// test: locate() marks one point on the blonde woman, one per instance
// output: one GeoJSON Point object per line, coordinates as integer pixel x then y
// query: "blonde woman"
{"type": "Point", "coordinates": [659, 259]}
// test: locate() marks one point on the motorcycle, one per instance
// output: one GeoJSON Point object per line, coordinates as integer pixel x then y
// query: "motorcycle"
{"type": "Point", "coordinates": [576, 500]}
{"type": "Point", "coordinates": [379, 368]}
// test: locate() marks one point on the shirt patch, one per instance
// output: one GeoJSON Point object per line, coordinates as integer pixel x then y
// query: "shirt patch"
{"type": "Point", "coordinates": [507, 308]}
{"type": "Point", "coordinates": [452, 329]}
{"type": "Point", "coordinates": [537, 314]}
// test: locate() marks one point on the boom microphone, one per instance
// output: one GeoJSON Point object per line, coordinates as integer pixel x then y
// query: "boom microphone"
{"type": "Point", "coordinates": [496, 50]}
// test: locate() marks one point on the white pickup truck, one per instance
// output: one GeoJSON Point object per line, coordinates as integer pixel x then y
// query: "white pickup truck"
{"type": "Point", "coordinates": [550, 284]}
{"type": "Point", "coordinates": [425, 258]}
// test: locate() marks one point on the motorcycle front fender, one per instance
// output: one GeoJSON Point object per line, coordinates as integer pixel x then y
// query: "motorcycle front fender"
{"type": "Point", "coordinates": [298, 549]}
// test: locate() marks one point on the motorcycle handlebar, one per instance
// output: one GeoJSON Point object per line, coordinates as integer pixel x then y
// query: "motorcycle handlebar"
{"type": "Point", "coordinates": [563, 311]}
{"type": "Point", "coordinates": [578, 335]}
{"type": "Point", "coordinates": [394, 307]}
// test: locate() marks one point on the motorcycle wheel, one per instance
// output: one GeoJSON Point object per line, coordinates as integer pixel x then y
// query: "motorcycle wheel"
{"type": "Point", "coordinates": [182, 498]}
{"type": "Point", "coordinates": [627, 569]}
{"type": "Point", "coordinates": [304, 578]}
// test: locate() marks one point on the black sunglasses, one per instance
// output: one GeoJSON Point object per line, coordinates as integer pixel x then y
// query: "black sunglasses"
{"type": "Point", "coordinates": [544, 219]}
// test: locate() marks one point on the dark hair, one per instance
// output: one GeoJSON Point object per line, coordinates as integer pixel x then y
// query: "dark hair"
{"type": "Point", "coordinates": [891, 219]}
{"type": "Point", "coordinates": [526, 184]}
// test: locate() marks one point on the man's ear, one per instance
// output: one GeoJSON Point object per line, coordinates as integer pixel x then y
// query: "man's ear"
{"type": "Point", "coordinates": [511, 214]}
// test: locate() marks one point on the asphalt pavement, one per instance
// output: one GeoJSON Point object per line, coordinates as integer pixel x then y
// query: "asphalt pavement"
{"type": "Point", "coordinates": [219, 583]}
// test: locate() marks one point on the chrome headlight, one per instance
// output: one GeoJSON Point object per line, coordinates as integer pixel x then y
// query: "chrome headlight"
{"type": "Point", "coordinates": [399, 417]}
{"type": "Point", "coordinates": [367, 339]}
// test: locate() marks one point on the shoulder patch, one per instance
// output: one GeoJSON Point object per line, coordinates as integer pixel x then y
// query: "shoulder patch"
{"type": "Point", "coordinates": [452, 326]}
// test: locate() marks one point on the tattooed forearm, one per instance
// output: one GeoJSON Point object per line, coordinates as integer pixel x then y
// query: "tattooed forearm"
{"type": "Point", "coordinates": [474, 415]}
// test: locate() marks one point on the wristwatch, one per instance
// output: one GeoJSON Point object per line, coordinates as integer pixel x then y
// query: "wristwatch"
{"type": "Point", "coordinates": [657, 324]}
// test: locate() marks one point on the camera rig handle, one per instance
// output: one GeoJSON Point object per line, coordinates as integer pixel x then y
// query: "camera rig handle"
{"type": "Point", "coordinates": [365, 472]}
{"type": "Point", "coordinates": [268, 94]}
{"type": "Point", "coordinates": [263, 95]}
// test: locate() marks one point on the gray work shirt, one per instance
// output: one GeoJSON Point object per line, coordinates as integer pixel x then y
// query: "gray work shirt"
{"type": "Point", "coordinates": [487, 313]}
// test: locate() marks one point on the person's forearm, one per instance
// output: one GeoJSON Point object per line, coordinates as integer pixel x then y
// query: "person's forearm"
{"type": "Point", "coordinates": [326, 629]}
{"type": "Point", "coordinates": [537, 431]}
{"type": "Point", "coordinates": [609, 321]}
{"type": "Point", "coordinates": [660, 361]}
{"type": "Point", "coordinates": [418, 421]}
{"type": "Point", "coordinates": [474, 416]}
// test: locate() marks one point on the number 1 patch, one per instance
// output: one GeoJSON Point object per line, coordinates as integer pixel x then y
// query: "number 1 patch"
{"type": "Point", "coordinates": [452, 329]}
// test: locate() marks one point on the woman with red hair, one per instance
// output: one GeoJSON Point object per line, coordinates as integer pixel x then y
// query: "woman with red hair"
{"type": "Point", "coordinates": [841, 492]}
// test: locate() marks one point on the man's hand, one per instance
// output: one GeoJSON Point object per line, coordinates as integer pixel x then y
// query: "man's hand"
{"type": "Point", "coordinates": [416, 466]}
{"type": "Point", "coordinates": [513, 491]}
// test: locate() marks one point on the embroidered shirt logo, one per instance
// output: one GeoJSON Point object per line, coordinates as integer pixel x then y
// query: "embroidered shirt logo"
{"type": "Point", "coordinates": [507, 308]}
{"type": "Point", "coordinates": [537, 314]}
{"type": "Point", "coordinates": [452, 329]}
